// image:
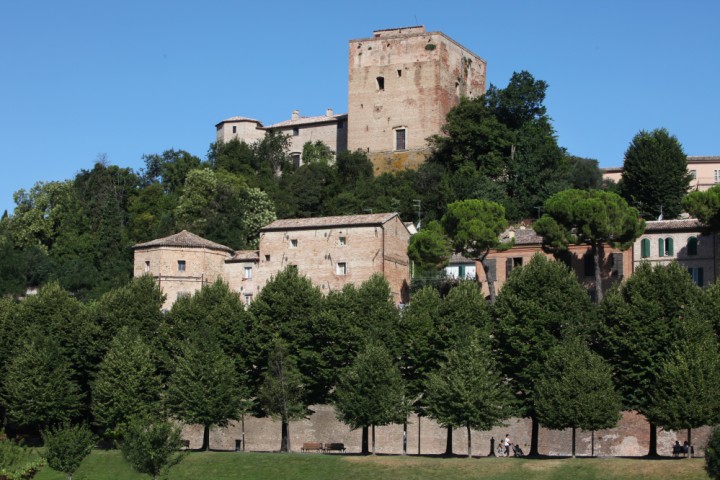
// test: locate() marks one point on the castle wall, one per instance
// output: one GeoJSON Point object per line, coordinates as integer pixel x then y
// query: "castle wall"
{"type": "Point", "coordinates": [631, 437]}
{"type": "Point", "coordinates": [406, 79]}
{"type": "Point", "coordinates": [329, 133]}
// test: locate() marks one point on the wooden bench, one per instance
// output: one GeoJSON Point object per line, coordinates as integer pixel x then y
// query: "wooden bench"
{"type": "Point", "coordinates": [312, 447]}
{"type": "Point", "coordinates": [335, 447]}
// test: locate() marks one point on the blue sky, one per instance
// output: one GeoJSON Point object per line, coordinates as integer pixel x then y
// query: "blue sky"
{"type": "Point", "coordinates": [79, 79]}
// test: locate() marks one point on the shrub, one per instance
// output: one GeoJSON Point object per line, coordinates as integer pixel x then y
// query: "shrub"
{"type": "Point", "coordinates": [67, 446]}
{"type": "Point", "coordinates": [712, 455]}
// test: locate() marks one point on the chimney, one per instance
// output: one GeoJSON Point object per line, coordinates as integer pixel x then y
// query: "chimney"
{"type": "Point", "coordinates": [295, 114]}
{"type": "Point", "coordinates": [329, 112]}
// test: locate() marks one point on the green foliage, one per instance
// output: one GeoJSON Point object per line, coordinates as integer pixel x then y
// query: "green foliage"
{"type": "Point", "coordinates": [468, 389]}
{"type": "Point", "coordinates": [127, 384]}
{"type": "Point", "coordinates": [317, 152]}
{"type": "Point", "coordinates": [576, 389]}
{"type": "Point", "coordinates": [151, 446]}
{"type": "Point", "coordinates": [67, 446]}
{"type": "Point", "coordinates": [655, 177]}
{"type": "Point", "coordinates": [474, 226]}
{"type": "Point", "coordinates": [430, 248]}
{"type": "Point", "coordinates": [584, 173]}
{"type": "Point", "coordinates": [371, 392]}
{"type": "Point", "coordinates": [170, 168]}
{"type": "Point", "coordinates": [712, 454]}
{"type": "Point", "coordinates": [38, 389]}
{"type": "Point", "coordinates": [642, 321]}
{"type": "Point", "coordinates": [17, 461]}
{"type": "Point", "coordinates": [705, 206]}
{"type": "Point", "coordinates": [539, 305]}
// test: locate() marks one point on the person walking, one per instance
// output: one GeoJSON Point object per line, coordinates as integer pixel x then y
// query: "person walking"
{"type": "Point", "coordinates": [507, 445]}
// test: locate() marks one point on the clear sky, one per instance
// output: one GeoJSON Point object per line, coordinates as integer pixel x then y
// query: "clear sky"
{"type": "Point", "coordinates": [79, 79]}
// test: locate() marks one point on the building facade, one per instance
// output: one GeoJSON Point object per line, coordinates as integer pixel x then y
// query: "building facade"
{"type": "Point", "coordinates": [402, 82]}
{"type": "Point", "coordinates": [705, 172]}
{"type": "Point", "coordinates": [330, 251]}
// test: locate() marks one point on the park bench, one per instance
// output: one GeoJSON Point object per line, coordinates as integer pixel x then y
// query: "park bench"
{"type": "Point", "coordinates": [312, 447]}
{"type": "Point", "coordinates": [335, 447]}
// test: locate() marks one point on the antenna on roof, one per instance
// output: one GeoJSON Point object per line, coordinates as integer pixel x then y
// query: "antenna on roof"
{"type": "Point", "coordinates": [416, 20]}
{"type": "Point", "coordinates": [418, 204]}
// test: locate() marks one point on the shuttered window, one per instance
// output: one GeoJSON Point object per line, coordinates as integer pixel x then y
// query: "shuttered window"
{"type": "Point", "coordinates": [644, 248]}
{"type": "Point", "coordinates": [692, 246]}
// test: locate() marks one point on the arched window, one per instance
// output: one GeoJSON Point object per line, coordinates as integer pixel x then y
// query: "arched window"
{"type": "Point", "coordinates": [644, 248]}
{"type": "Point", "coordinates": [692, 246]}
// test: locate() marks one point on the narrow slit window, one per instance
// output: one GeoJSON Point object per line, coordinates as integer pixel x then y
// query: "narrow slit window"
{"type": "Point", "coordinates": [147, 265]}
{"type": "Point", "coordinates": [399, 72]}
{"type": "Point", "coordinates": [380, 83]}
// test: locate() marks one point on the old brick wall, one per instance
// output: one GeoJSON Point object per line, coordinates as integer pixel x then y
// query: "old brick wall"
{"type": "Point", "coordinates": [629, 438]}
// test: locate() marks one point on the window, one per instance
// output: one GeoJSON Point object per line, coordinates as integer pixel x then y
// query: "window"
{"type": "Point", "coordinates": [295, 159]}
{"type": "Point", "coordinates": [693, 174]}
{"type": "Point", "coordinates": [399, 72]}
{"type": "Point", "coordinates": [697, 275]}
{"type": "Point", "coordinates": [512, 263]}
{"type": "Point", "coordinates": [341, 268]}
{"type": "Point", "coordinates": [341, 124]}
{"type": "Point", "coordinates": [267, 258]}
{"type": "Point", "coordinates": [717, 176]}
{"type": "Point", "coordinates": [665, 247]}
{"type": "Point", "coordinates": [400, 139]}
{"type": "Point", "coordinates": [147, 265]}
{"type": "Point", "coordinates": [296, 131]}
{"type": "Point", "coordinates": [248, 273]}
{"type": "Point", "coordinates": [692, 246]}
{"type": "Point", "coordinates": [342, 241]}
{"type": "Point", "coordinates": [380, 83]}
{"type": "Point", "coordinates": [294, 243]}
{"type": "Point", "coordinates": [234, 129]}
{"type": "Point", "coordinates": [644, 248]}
{"type": "Point", "coordinates": [181, 265]}
{"type": "Point", "coordinates": [247, 298]}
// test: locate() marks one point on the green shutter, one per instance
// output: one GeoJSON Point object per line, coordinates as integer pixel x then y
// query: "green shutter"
{"type": "Point", "coordinates": [645, 248]}
{"type": "Point", "coordinates": [692, 246]}
{"type": "Point", "coordinates": [461, 272]}
{"type": "Point", "coordinates": [661, 247]}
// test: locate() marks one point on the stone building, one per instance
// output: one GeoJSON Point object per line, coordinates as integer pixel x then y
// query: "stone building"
{"type": "Point", "coordinates": [615, 266]}
{"type": "Point", "coordinates": [181, 263]}
{"type": "Point", "coordinates": [331, 251]}
{"type": "Point", "coordinates": [402, 82]}
{"type": "Point", "coordinates": [684, 241]}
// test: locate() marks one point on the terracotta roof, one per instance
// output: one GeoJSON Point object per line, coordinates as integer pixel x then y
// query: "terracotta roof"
{"type": "Point", "coordinates": [308, 121]}
{"type": "Point", "coordinates": [324, 222]}
{"type": "Point", "coordinates": [184, 239]}
{"type": "Point", "coordinates": [669, 225]}
{"type": "Point", "coordinates": [522, 236]}
{"type": "Point", "coordinates": [239, 119]}
{"type": "Point", "coordinates": [704, 159]}
{"type": "Point", "coordinates": [245, 256]}
{"type": "Point", "coordinates": [460, 258]}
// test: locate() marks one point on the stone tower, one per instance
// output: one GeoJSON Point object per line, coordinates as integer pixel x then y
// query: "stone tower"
{"type": "Point", "coordinates": [402, 82]}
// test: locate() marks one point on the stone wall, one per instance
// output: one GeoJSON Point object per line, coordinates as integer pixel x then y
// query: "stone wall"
{"type": "Point", "coordinates": [629, 438]}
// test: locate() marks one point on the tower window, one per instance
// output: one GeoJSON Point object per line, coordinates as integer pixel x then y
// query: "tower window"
{"type": "Point", "coordinates": [399, 72]}
{"type": "Point", "coordinates": [294, 243]}
{"type": "Point", "coordinates": [296, 131]}
{"type": "Point", "coordinates": [400, 139]}
{"type": "Point", "coordinates": [234, 129]}
{"type": "Point", "coordinates": [341, 268]}
{"type": "Point", "coordinates": [147, 265]}
{"type": "Point", "coordinates": [248, 273]}
{"type": "Point", "coordinates": [380, 83]}
{"type": "Point", "coordinates": [181, 265]}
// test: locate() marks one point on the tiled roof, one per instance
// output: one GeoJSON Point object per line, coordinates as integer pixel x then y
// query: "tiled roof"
{"type": "Point", "coordinates": [669, 225]}
{"type": "Point", "coordinates": [522, 236]}
{"type": "Point", "coordinates": [240, 119]}
{"type": "Point", "coordinates": [460, 258]}
{"type": "Point", "coordinates": [704, 159]}
{"type": "Point", "coordinates": [308, 121]}
{"type": "Point", "coordinates": [184, 239]}
{"type": "Point", "coordinates": [245, 256]}
{"type": "Point", "coordinates": [324, 222]}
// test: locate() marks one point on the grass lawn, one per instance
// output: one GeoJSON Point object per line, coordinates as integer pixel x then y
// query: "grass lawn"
{"type": "Point", "coordinates": [109, 465]}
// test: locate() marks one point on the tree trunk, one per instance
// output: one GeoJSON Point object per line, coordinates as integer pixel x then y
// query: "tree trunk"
{"type": "Point", "coordinates": [469, 441]}
{"type": "Point", "coordinates": [285, 437]}
{"type": "Point", "coordinates": [652, 452]}
{"type": "Point", "coordinates": [365, 449]}
{"type": "Point", "coordinates": [373, 439]}
{"type": "Point", "coordinates": [69, 476]}
{"type": "Point", "coordinates": [206, 438]}
{"type": "Point", "coordinates": [598, 274]}
{"type": "Point", "coordinates": [448, 445]}
{"type": "Point", "coordinates": [490, 281]}
{"type": "Point", "coordinates": [689, 440]}
{"type": "Point", "coordinates": [573, 442]}
{"type": "Point", "coordinates": [534, 437]}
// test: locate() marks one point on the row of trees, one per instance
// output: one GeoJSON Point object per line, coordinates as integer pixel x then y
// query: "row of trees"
{"type": "Point", "coordinates": [543, 351]}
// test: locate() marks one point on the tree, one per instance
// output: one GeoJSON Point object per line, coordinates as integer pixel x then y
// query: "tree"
{"type": "Point", "coordinates": [281, 393]}
{"type": "Point", "coordinates": [371, 392]}
{"type": "Point", "coordinates": [705, 206]}
{"type": "Point", "coordinates": [67, 446]}
{"type": "Point", "coordinates": [688, 379]}
{"type": "Point", "coordinates": [576, 390]}
{"type": "Point", "coordinates": [38, 390]}
{"type": "Point", "coordinates": [584, 173]}
{"type": "Point", "coordinates": [712, 454]}
{"type": "Point", "coordinates": [204, 387]}
{"type": "Point", "coordinates": [591, 217]}
{"type": "Point", "coordinates": [151, 446]}
{"type": "Point", "coordinates": [636, 346]}
{"type": "Point", "coordinates": [469, 390]}
{"type": "Point", "coordinates": [430, 249]}
{"type": "Point", "coordinates": [317, 152]}
{"type": "Point", "coordinates": [655, 177]}
{"type": "Point", "coordinates": [474, 227]}
{"type": "Point", "coordinates": [540, 303]}
{"type": "Point", "coordinates": [127, 383]}
{"type": "Point", "coordinates": [170, 168]}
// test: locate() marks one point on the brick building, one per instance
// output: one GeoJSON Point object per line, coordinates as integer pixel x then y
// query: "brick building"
{"type": "Point", "coordinates": [331, 251]}
{"type": "Point", "coordinates": [402, 82]}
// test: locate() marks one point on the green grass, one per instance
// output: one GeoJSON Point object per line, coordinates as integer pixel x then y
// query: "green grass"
{"type": "Point", "coordinates": [109, 465]}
